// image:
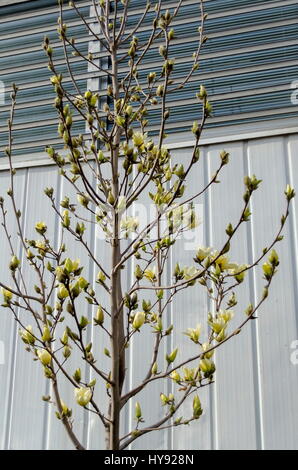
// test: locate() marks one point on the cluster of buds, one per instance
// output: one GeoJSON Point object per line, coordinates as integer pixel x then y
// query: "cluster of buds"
{"type": "Point", "coordinates": [202, 95]}
{"type": "Point", "coordinates": [269, 267]}
{"type": "Point", "coordinates": [251, 183]}
{"type": "Point", "coordinates": [131, 301]}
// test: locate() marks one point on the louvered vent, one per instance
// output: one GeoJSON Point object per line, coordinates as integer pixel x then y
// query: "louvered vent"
{"type": "Point", "coordinates": [247, 65]}
{"type": "Point", "coordinates": [23, 61]}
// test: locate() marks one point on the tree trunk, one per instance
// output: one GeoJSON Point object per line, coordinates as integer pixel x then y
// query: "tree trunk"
{"type": "Point", "coordinates": [117, 327]}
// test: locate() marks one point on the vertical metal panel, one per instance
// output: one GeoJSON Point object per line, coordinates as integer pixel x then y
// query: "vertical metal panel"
{"type": "Point", "coordinates": [253, 402]}
{"type": "Point", "coordinates": [234, 391]}
{"type": "Point", "coordinates": [29, 384]}
{"type": "Point", "coordinates": [187, 314]}
{"type": "Point", "coordinates": [277, 326]}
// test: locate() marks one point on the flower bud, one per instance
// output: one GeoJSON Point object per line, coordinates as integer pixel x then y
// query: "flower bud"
{"type": "Point", "coordinates": [101, 277]}
{"type": "Point", "coordinates": [207, 367]}
{"type": "Point", "coordinates": [44, 356]}
{"type": "Point", "coordinates": [83, 200]}
{"type": "Point", "coordinates": [46, 334]}
{"type": "Point", "coordinates": [83, 283]}
{"type": "Point", "coordinates": [249, 310]}
{"type": "Point", "coordinates": [14, 263]}
{"type": "Point", "coordinates": [175, 376]}
{"type": "Point", "coordinates": [83, 395]}
{"type": "Point", "coordinates": [77, 375]}
{"type": "Point", "coordinates": [62, 292]}
{"type": "Point", "coordinates": [138, 272]}
{"type": "Point", "coordinates": [64, 339]}
{"type": "Point", "coordinates": [196, 406]}
{"type": "Point", "coordinates": [154, 369]}
{"type": "Point", "coordinates": [7, 295]}
{"type": "Point", "coordinates": [139, 320]}
{"type": "Point", "coordinates": [99, 317]}
{"type": "Point", "coordinates": [164, 399]}
{"type": "Point", "coordinates": [273, 258]}
{"type": "Point", "coordinates": [268, 270]}
{"type": "Point", "coordinates": [41, 227]}
{"type": "Point", "coordinates": [27, 335]}
{"type": "Point", "coordinates": [138, 411]}
{"type": "Point", "coordinates": [289, 192]}
{"type": "Point", "coordinates": [203, 93]}
{"type": "Point", "coordinates": [75, 290]}
{"type": "Point", "coordinates": [83, 322]}
{"type": "Point", "coordinates": [171, 357]}
{"type": "Point", "coordinates": [66, 351]}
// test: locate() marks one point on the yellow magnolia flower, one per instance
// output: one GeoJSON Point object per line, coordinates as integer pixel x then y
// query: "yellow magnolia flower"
{"type": "Point", "coordinates": [62, 292]}
{"type": "Point", "coordinates": [129, 224]}
{"type": "Point", "coordinates": [203, 252]}
{"type": "Point", "coordinates": [205, 347]}
{"type": "Point", "coordinates": [222, 320]}
{"type": "Point", "coordinates": [197, 408]}
{"type": "Point", "coordinates": [139, 320]}
{"type": "Point", "coordinates": [150, 274]}
{"type": "Point", "coordinates": [189, 374]}
{"type": "Point", "coordinates": [7, 295]}
{"type": "Point", "coordinates": [83, 395]}
{"type": "Point", "coordinates": [175, 376]}
{"type": "Point", "coordinates": [238, 272]}
{"type": "Point", "coordinates": [189, 272]}
{"type": "Point", "coordinates": [44, 356]}
{"type": "Point", "coordinates": [41, 246]}
{"type": "Point", "coordinates": [223, 262]}
{"type": "Point", "coordinates": [139, 139]}
{"type": "Point", "coordinates": [27, 335]}
{"type": "Point", "coordinates": [207, 366]}
{"type": "Point", "coordinates": [194, 333]}
{"type": "Point", "coordinates": [121, 204]}
{"type": "Point", "coordinates": [41, 227]}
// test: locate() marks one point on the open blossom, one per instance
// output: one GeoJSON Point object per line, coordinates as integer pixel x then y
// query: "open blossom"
{"type": "Point", "coordinates": [41, 246]}
{"type": "Point", "coordinates": [189, 272]}
{"type": "Point", "coordinates": [221, 321]}
{"type": "Point", "coordinates": [129, 224]}
{"type": "Point", "coordinates": [223, 262]}
{"type": "Point", "coordinates": [150, 274]}
{"type": "Point", "coordinates": [121, 204]}
{"type": "Point", "coordinates": [203, 252]}
{"type": "Point", "coordinates": [194, 333]}
{"type": "Point", "coordinates": [238, 272]}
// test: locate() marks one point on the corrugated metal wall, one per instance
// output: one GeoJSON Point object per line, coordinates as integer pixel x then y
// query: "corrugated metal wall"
{"type": "Point", "coordinates": [253, 403]}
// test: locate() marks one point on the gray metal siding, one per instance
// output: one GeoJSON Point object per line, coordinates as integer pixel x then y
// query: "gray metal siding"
{"type": "Point", "coordinates": [253, 403]}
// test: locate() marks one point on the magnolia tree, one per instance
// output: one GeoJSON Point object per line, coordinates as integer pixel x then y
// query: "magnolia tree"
{"type": "Point", "coordinates": [115, 163]}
